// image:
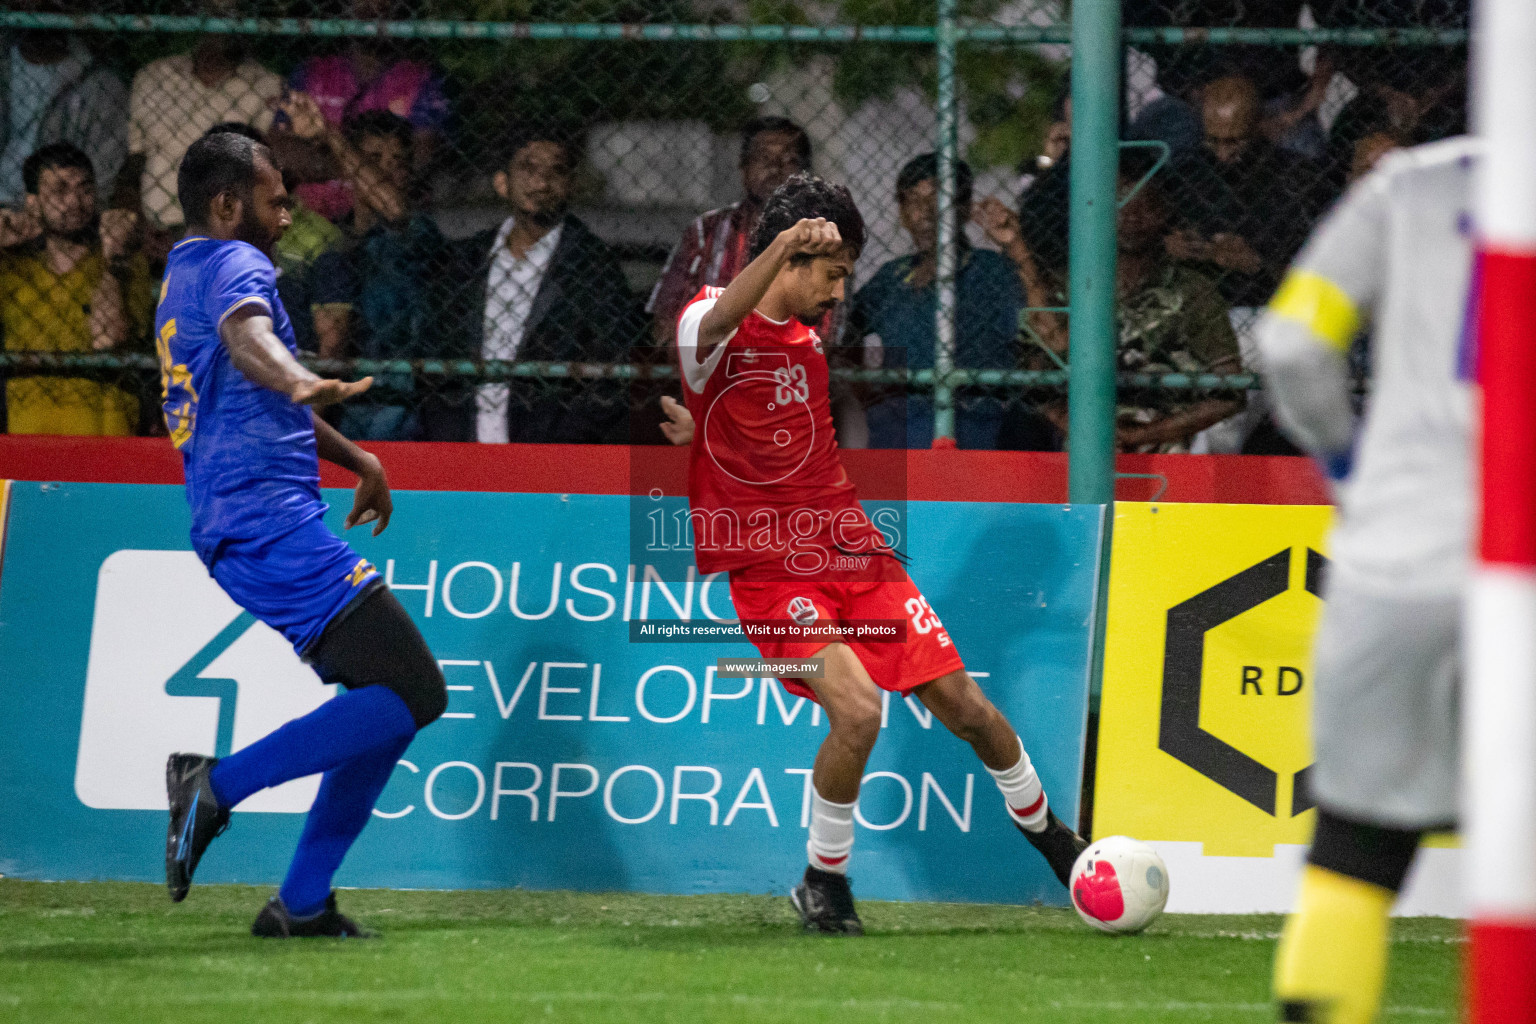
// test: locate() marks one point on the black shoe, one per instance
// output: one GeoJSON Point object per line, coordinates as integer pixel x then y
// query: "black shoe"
{"type": "Point", "coordinates": [825, 903]}
{"type": "Point", "coordinates": [274, 922]}
{"type": "Point", "coordinates": [1058, 844]}
{"type": "Point", "coordinates": [197, 818]}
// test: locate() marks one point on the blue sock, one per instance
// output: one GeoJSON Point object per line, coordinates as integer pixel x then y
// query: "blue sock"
{"type": "Point", "coordinates": [351, 724]}
{"type": "Point", "coordinates": [341, 810]}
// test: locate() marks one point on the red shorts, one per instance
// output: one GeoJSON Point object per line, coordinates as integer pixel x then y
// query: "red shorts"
{"type": "Point", "coordinates": [880, 593]}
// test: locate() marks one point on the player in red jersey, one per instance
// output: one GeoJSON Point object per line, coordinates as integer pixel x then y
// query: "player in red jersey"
{"type": "Point", "coordinates": [771, 504]}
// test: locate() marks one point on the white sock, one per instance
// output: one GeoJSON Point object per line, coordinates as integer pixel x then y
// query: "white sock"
{"type": "Point", "coordinates": [831, 840]}
{"type": "Point", "coordinates": [1021, 789]}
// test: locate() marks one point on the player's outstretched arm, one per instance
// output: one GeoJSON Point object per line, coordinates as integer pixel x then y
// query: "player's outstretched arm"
{"type": "Point", "coordinates": [371, 502]}
{"type": "Point", "coordinates": [817, 237]}
{"type": "Point", "coordinates": [260, 355]}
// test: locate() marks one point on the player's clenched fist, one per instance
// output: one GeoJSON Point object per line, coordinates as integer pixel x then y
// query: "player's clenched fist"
{"type": "Point", "coordinates": [818, 237]}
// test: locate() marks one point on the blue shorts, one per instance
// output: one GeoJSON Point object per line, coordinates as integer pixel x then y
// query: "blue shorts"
{"type": "Point", "coordinates": [295, 582]}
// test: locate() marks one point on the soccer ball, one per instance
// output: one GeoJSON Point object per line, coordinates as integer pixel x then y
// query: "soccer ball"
{"type": "Point", "coordinates": [1119, 885]}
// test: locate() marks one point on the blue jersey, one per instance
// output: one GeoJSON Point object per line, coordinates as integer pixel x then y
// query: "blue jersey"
{"type": "Point", "coordinates": [248, 452]}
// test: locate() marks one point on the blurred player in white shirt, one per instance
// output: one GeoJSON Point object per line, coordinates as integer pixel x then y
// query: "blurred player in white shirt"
{"type": "Point", "coordinates": [1394, 258]}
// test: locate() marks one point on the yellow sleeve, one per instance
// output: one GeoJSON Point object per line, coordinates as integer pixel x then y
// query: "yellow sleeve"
{"type": "Point", "coordinates": [1308, 298]}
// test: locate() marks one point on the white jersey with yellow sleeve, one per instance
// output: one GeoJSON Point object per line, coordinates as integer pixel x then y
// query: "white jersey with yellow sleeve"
{"type": "Point", "coordinates": [1393, 258]}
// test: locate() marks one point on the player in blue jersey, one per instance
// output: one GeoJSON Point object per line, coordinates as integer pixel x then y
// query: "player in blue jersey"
{"type": "Point", "coordinates": [239, 407]}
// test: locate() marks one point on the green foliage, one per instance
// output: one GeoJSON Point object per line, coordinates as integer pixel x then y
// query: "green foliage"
{"type": "Point", "coordinates": [1007, 90]}
{"type": "Point", "coordinates": [1009, 94]}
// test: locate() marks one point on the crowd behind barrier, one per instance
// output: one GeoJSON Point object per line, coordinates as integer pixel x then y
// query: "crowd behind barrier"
{"type": "Point", "coordinates": [504, 232]}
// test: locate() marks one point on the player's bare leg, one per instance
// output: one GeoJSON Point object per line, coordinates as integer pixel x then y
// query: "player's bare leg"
{"type": "Point", "coordinates": [957, 702]}
{"type": "Point", "coordinates": [852, 702]}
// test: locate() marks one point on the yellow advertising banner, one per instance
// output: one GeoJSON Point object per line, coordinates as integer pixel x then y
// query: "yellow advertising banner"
{"type": "Point", "coordinates": [1204, 724]}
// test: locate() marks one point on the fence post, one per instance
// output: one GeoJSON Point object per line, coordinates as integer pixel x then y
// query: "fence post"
{"type": "Point", "coordinates": [1091, 251]}
{"type": "Point", "coordinates": [1096, 64]}
{"type": "Point", "coordinates": [944, 314]}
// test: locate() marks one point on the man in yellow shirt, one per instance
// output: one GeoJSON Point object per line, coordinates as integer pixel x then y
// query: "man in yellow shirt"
{"type": "Point", "coordinates": [78, 287]}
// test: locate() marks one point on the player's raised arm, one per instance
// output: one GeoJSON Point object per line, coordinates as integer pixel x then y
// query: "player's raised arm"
{"type": "Point", "coordinates": [818, 237]}
{"type": "Point", "coordinates": [260, 355]}
{"type": "Point", "coordinates": [1306, 333]}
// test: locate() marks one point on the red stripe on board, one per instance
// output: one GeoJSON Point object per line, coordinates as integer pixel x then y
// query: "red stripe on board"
{"type": "Point", "coordinates": [1031, 809]}
{"type": "Point", "coordinates": [616, 469]}
{"type": "Point", "coordinates": [1506, 343]}
{"type": "Point", "coordinates": [1501, 972]}
{"type": "Point", "coordinates": [834, 861]}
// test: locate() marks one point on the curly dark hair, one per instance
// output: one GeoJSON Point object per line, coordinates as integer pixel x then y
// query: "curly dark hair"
{"type": "Point", "coordinates": [806, 197]}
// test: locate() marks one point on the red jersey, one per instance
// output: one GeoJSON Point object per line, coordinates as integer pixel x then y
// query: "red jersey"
{"type": "Point", "coordinates": [765, 483]}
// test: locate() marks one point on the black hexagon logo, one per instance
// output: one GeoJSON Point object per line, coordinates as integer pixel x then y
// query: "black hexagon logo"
{"type": "Point", "coordinates": [1179, 732]}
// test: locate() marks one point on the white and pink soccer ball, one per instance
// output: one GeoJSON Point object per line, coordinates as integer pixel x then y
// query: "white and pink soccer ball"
{"type": "Point", "coordinates": [1119, 885]}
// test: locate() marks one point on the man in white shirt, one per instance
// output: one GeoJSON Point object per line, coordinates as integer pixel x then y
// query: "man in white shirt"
{"type": "Point", "coordinates": [537, 184]}
{"type": "Point", "coordinates": [543, 287]}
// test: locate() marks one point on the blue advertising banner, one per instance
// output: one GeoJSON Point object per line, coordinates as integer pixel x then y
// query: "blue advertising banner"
{"type": "Point", "coordinates": [571, 756]}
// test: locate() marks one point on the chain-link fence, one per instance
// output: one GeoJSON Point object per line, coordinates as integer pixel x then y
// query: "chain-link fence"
{"type": "Point", "coordinates": [502, 207]}
{"type": "Point", "coordinates": [1265, 130]}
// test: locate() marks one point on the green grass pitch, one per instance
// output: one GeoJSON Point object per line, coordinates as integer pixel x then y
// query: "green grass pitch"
{"type": "Point", "coordinates": [101, 953]}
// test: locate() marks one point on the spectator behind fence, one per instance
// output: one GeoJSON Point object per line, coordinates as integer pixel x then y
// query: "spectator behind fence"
{"type": "Point", "coordinates": [367, 76]}
{"type": "Point", "coordinates": [1416, 100]}
{"type": "Point", "coordinates": [1172, 318]}
{"type": "Point", "coordinates": [1036, 246]}
{"type": "Point", "coordinates": [1246, 206]}
{"type": "Point", "coordinates": [713, 249]}
{"type": "Point", "coordinates": [79, 287]}
{"type": "Point", "coordinates": [894, 313]}
{"type": "Point", "coordinates": [1054, 144]}
{"type": "Point", "coordinates": [1182, 67]}
{"type": "Point", "coordinates": [379, 294]}
{"type": "Point", "coordinates": [51, 90]}
{"type": "Point", "coordinates": [1169, 107]}
{"type": "Point", "coordinates": [309, 237]}
{"type": "Point", "coordinates": [542, 286]}
{"type": "Point", "coordinates": [174, 100]}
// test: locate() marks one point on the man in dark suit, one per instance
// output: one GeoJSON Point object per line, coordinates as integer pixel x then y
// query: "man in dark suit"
{"type": "Point", "coordinates": [542, 287]}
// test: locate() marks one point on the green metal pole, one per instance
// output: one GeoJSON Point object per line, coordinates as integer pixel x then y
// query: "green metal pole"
{"type": "Point", "coordinates": [948, 259]}
{"type": "Point", "coordinates": [1091, 251]}
{"type": "Point", "coordinates": [1091, 300]}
